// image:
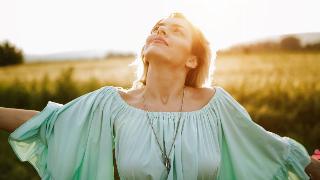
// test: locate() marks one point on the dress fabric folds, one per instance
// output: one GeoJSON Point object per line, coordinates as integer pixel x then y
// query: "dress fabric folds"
{"type": "Point", "coordinates": [220, 141]}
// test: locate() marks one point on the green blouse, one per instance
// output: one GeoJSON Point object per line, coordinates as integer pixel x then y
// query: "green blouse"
{"type": "Point", "coordinates": [219, 141]}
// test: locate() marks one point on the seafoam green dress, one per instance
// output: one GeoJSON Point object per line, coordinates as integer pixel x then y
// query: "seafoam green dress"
{"type": "Point", "coordinates": [219, 141]}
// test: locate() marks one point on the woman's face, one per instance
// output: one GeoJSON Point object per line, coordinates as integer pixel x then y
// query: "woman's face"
{"type": "Point", "coordinates": [176, 49]}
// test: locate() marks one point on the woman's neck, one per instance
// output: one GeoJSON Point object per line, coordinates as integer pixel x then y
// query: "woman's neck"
{"type": "Point", "coordinates": [164, 84]}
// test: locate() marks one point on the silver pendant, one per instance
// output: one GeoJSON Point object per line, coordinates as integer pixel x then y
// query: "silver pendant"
{"type": "Point", "coordinates": [167, 163]}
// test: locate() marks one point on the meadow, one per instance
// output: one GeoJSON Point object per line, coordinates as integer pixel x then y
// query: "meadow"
{"type": "Point", "coordinates": [281, 92]}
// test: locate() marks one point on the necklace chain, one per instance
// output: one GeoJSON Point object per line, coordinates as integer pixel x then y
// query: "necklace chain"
{"type": "Point", "coordinates": [165, 158]}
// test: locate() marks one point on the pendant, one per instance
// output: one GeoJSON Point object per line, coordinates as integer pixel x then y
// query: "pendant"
{"type": "Point", "coordinates": [167, 163]}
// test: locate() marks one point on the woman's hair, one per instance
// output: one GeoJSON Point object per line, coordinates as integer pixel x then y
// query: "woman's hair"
{"type": "Point", "coordinates": [196, 77]}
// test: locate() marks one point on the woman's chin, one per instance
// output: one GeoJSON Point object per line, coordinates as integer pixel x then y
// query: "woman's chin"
{"type": "Point", "coordinates": [155, 52]}
{"type": "Point", "coordinates": [155, 55]}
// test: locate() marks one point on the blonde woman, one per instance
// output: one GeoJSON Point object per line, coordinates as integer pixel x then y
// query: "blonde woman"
{"type": "Point", "coordinates": [172, 124]}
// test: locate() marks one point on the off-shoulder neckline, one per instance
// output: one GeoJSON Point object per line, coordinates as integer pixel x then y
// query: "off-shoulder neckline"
{"type": "Point", "coordinates": [202, 109]}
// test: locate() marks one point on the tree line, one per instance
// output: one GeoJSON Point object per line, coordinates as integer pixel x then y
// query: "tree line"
{"type": "Point", "coordinates": [288, 43]}
{"type": "Point", "coordinates": [10, 54]}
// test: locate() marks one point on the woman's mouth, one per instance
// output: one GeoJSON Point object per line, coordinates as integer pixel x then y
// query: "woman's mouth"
{"type": "Point", "coordinates": [159, 42]}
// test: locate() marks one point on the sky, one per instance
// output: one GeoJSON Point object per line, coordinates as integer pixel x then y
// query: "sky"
{"type": "Point", "coordinates": [52, 26]}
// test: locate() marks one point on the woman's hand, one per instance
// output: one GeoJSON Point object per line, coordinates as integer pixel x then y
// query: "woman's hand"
{"type": "Point", "coordinates": [313, 169]}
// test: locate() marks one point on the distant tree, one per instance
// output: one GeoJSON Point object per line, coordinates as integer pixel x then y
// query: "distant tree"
{"type": "Point", "coordinates": [290, 43]}
{"type": "Point", "coordinates": [9, 54]}
{"type": "Point", "coordinates": [314, 46]}
{"type": "Point", "coordinates": [111, 55]}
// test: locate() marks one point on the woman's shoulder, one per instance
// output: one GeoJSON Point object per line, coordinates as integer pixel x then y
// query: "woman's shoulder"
{"type": "Point", "coordinates": [129, 95]}
{"type": "Point", "coordinates": [203, 95]}
{"type": "Point", "coordinates": [205, 91]}
{"type": "Point", "coordinates": [125, 94]}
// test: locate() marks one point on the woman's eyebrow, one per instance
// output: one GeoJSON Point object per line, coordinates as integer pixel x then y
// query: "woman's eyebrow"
{"type": "Point", "coordinates": [174, 25]}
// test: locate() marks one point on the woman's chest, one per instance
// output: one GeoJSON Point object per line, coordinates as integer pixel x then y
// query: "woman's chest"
{"type": "Point", "coordinates": [192, 147]}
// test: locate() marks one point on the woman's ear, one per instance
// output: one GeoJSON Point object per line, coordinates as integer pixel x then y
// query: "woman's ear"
{"type": "Point", "coordinates": [192, 62]}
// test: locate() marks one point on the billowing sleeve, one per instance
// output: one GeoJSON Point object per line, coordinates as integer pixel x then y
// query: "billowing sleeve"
{"type": "Point", "coordinates": [250, 152]}
{"type": "Point", "coordinates": [71, 141]}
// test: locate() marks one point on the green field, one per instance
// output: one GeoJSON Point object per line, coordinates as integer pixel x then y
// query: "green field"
{"type": "Point", "coordinates": [281, 92]}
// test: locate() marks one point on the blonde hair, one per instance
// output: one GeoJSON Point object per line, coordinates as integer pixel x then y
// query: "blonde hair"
{"type": "Point", "coordinates": [196, 77]}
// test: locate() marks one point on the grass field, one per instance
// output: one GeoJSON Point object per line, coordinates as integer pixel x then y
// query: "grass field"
{"type": "Point", "coordinates": [292, 68]}
{"type": "Point", "coordinates": [103, 70]}
{"type": "Point", "coordinates": [280, 91]}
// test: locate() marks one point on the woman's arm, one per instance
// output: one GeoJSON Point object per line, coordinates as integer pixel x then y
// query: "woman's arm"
{"type": "Point", "coordinates": [313, 169]}
{"type": "Point", "coordinates": [12, 118]}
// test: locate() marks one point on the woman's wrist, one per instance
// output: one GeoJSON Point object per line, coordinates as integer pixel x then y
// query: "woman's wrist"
{"type": "Point", "coordinates": [313, 169]}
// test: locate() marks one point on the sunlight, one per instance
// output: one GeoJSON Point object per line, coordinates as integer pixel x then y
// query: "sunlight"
{"type": "Point", "coordinates": [43, 26]}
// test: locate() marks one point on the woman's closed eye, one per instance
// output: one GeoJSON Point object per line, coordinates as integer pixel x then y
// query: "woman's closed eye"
{"type": "Point", "coordinates": [174, 29]}
{"type": "Point", "coordinates": [177, 30]}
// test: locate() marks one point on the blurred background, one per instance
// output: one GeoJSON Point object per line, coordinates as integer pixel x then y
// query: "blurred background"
{"type": "Point", "coordinates": [268, 57]}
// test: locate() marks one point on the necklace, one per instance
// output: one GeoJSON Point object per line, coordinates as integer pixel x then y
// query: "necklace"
{"type": "Point", "coordinates": [165, 159]}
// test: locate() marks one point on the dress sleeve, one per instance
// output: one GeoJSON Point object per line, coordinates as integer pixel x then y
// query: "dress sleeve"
{"type": "Point", "coordinates": [248, 151]}
{"type": "Point", "coordinates": [71, 141]}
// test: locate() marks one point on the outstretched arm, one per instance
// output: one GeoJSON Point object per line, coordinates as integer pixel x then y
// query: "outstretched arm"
{"type": "Point", "coordinates": [313, 169]}
{"type": "Point", "coordinates": [12, 118]}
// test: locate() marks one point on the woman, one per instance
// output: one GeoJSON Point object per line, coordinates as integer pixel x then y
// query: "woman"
{"type": "Point", "coordinates": [167, 126]}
